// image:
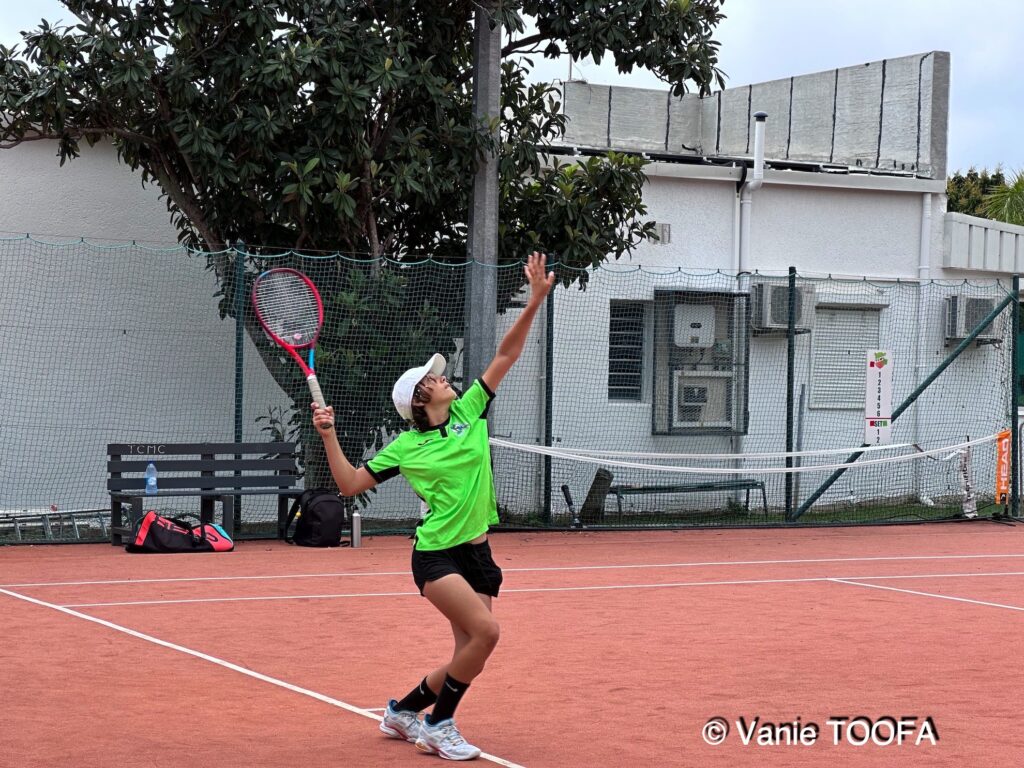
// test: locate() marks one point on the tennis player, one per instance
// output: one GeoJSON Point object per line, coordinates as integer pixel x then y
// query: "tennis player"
{"type": "Point", "coordinates": [446, 459]}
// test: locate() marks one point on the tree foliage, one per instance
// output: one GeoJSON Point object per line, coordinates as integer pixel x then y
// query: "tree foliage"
{"type": "Point", "coordinates": [334, 125]}
{"type": "Point", "coordinates": [1006, 202]}
{"type": "Point", "coordinates": [967, 191]}
{"type": "Point", "coordinates": [347, 126]}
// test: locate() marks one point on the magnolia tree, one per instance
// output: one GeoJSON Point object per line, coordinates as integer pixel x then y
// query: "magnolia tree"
{"type": "Point", "coordinates": [347, 127]}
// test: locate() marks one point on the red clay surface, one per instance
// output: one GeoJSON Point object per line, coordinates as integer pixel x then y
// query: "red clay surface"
{"type": "Point", "coordinates": [616, 649]}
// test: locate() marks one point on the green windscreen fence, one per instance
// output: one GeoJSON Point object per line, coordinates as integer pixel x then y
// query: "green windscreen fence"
{"type": "Point", "coordinates": [644, 397]}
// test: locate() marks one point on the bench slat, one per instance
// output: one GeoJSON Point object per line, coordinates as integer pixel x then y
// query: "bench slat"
{"type": "Point", "coordinates": [200, 465]}
{"type": "Point", "coordinates": [151, 450]}
{"type": "Point", "coordinates": [723, 485]}
{"type": "Point", "coordinates": [125, 496]}
{"type": "Point", "coordinates": [210, 482]}
{"type": "Point", "coordinates": [747, 484]}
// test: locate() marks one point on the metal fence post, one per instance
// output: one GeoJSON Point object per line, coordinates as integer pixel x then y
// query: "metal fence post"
{"type": "Point", "coordinates": [790, 387]}
{"type": "Point", "coordinates": [549, 397]}
{"type": "Point", "coordinates": [239, 249]}
{"type": "Point", "coordinates": [1015, 399]}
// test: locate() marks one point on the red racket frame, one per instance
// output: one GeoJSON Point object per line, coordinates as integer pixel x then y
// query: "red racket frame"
{"type": "Point", "coordinates": [292, 349]}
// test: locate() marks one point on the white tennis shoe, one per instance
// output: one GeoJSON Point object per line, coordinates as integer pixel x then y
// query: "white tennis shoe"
{"type": "Point", "coordinates": [400, 725]}
{"type": "Point", "coordinates": [445, 740]}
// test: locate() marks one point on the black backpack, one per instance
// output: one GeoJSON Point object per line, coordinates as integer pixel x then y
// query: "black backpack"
{"type": "Point", "coordinates": [321, 516]}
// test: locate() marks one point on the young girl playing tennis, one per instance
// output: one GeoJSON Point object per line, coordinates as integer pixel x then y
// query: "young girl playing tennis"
{"type": "Point", "coordinates": [446, 459]}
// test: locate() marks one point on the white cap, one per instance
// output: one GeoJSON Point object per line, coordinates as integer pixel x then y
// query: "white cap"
{"type": "Point", "coordinates": [406, 384]}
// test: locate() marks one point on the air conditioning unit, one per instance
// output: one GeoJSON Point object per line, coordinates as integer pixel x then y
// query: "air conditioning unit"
{"type": "Point", "coordinates": [965, 313]}
{"type": "Point", "coordinates": [694, 325]}
{"type": "Point", "coordinates": [702, 399]}
{"type": "Point", "coordinates": [770, 307]}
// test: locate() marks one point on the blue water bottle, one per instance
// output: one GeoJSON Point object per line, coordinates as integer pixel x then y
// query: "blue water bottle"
{"type": "Point", "coordinates": [151, 479]}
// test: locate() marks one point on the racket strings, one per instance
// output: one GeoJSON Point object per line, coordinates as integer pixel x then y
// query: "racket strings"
{"type": "Point", "coordinates": [288, 308]}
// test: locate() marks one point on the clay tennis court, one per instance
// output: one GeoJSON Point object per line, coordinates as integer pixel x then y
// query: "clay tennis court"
{"type": "Point", "coordinates": [616, 649]}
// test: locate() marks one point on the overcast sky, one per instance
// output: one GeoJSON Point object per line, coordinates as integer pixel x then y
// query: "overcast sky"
{"type": "Point", "coordinates": [771, 39]}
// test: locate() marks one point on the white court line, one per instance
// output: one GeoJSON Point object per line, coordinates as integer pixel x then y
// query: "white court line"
{"type": "Point", "coordinates": [594, 588]}
{"type": "Point", "coordinates": [930, 594]}
{"type": "Point", "coordinates": [226, 664]}
{"type": "Point", "coordinates": [551, 569]}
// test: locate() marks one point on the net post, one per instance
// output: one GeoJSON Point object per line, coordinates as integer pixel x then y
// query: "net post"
{"type": "Point", "coordinates": [1015, 399]}
{"type": "Point", "coordinates": [790, 386]}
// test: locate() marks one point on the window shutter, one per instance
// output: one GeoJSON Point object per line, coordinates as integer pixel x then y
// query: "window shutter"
{"type": "Point", "coordinates": [626, 351]}
{"type": "Point", "coordinates": [840, 339]}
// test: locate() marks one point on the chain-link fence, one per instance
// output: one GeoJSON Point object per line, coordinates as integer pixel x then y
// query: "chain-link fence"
{"type": "Point", "coordinates": [639, 369]}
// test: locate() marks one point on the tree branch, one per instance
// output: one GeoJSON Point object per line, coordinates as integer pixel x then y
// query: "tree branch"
{"type": "Point", "coordinates": [380, 129]}
{"type": "Point", "coordinates": [78, 133]}
{"type": "Point", "coordinates": [221, 36]}
{"type": "Point", "coordinates": [370, 219]}
{"type": "Point", "coordinates": [172, 186]}
{"type": "Point", "coordinates": [523, 42]}
{"type": "Point", "coordinates": [512, 47]}
{"type": "Point", "coordinates": [165, 112]}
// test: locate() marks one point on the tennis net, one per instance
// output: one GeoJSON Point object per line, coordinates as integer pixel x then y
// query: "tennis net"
{"type": "Point", "coordinates": [120, 343]}
{"type": "Point", "coordinates": [889, 483]}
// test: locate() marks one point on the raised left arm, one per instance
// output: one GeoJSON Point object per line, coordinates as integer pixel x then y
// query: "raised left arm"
{"type": "Point", "coordinates": [511, 345]}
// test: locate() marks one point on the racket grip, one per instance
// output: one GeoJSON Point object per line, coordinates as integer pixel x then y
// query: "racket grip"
{"type": "Point", "coordinates": [314, 389]}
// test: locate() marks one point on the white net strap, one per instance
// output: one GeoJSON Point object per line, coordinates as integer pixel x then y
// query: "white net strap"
{"type": "Point", "coordinates": [739, 456]}
{"type": "Point", "coordinates": [733, 456]}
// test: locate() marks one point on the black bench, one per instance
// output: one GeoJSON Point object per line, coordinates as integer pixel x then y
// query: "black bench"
{"type": "Point", "coordinates": [210, 471]}
{"type": "Point", "coordinates": [742, 484]}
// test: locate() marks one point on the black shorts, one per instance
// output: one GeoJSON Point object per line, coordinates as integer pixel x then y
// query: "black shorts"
{"type": "Point", "coordinates": [471, 561]}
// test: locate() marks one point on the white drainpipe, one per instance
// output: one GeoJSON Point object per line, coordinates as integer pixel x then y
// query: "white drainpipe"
{"type": "Point", "coordinates": [745, 206]}
{"type": "Point", "coordinates": [746, 193]}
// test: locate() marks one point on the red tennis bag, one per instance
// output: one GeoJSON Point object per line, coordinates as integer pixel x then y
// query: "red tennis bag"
{"type": "Point", "coordinates": [172, 534]}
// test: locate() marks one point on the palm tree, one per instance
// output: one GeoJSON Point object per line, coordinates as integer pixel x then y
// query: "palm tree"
{"type": "Point", "coordinates": [1006, 202]}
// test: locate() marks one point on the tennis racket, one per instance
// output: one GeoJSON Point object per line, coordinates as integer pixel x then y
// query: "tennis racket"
{"type": "Point", "coordinates": [289, 308]}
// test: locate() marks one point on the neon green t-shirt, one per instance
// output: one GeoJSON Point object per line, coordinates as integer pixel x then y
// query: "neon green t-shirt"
{"type": "Point", "coordinates": [449, 467]}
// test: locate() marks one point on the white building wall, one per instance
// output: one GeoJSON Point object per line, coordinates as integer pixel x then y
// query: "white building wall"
{"type": "Point", "coordinates": [819, 229]}
{"type": "Point", "coordinates": [93, 196]}
{"type": "Point", "coordinates": [701, 216]}
{"type": "Point", "coordinates": [837, 231]}
{"type": "Point", "coordinates": [134, 347]}
{"type": "Point", "coordinates": [972, 244]}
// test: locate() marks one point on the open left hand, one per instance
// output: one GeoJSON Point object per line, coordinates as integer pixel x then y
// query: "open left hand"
{"type": "Point", "coordinates": [540, 284]}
